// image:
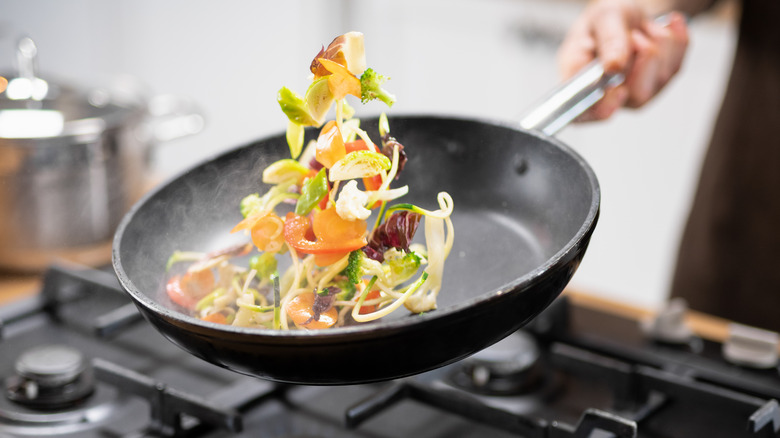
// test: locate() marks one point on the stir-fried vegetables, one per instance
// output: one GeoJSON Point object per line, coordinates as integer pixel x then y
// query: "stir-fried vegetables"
{"type": "Point", "coordinates": [314, 220]}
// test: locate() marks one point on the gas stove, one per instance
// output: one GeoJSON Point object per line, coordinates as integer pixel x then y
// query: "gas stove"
{"type": "Point", "coordinates": [77, 360]}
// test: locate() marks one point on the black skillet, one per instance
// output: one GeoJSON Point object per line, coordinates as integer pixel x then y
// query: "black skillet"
{"type": "Point", "coordinates": [525, 208]}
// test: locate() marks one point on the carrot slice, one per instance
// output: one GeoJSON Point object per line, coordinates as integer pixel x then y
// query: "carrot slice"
{"type": "Point", "coordinates": [323, 260]}
{"type": "Point", "coordinates": [372, 308]}
{"type": "Point", "coordinates": [218, 318]}
{"type": "Point", "coordinates": [299, 309]}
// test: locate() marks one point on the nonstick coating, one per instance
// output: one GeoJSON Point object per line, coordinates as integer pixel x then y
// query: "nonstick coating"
{"type": "Point", "coordinates": [525, 208]}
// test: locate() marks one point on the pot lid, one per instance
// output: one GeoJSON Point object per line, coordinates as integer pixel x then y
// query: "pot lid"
{"type": "Point", "coordinates": [32, 107]}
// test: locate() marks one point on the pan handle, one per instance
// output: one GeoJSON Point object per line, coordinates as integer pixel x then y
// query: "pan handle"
{"type": "Point", "coordinates": [570, 99]}
{"type": "Point", "coordinates": [574, 96]}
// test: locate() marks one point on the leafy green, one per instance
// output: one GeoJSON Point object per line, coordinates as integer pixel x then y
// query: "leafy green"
{"type": "Point", "coordinates": [359, 164]}
{"type": "Point", "coordinates": [294, 107]}
{"type": "Point", "coordinates": [312, 192]}
{"type": "Point", "coordinates": [295, 136]}
{"type": "Point", "coordinates": [284, 170]}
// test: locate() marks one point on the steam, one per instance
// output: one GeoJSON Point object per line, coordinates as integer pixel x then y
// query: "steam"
{"type": "Point", "coordinates": [194, 212]}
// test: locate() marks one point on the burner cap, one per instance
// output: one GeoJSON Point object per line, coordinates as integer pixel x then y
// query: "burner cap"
{"type": "Point", "coordinates": [51, 365]}
{"type": "Point", "coordinates": [50, 376]}
{"type": "Point", "coordinates": [508, 367]}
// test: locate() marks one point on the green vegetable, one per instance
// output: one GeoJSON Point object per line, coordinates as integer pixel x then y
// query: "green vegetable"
{"type": "Point", "coordinates": [277, 301]}
{"type": "Point", "coordinates": [348, 290]}
{"type": "Point", "coordinates": [284, 170]}
{"type": "Point", "coordinates": [368, 287]}
{"type": "Point", "coordinates": [295, 136]}
{"type": "Point", "coordinates": [402, 265]}
{"type": "Point", "coordinates": [209, 299]}
{"type": "Point", "coordinates": [265, 265]}
{"type": "Point", "coordinates": [294, 107]}
{"type": "Point", "coordinates": [371, 88]}
{"type": "Point", "coordinates": [347, 110]}
{"type": "Point", "coordinates": [254, 203]}
{"type": "Point", "coordinates": [359, 164]}
{"type": "Point", "coordinates": [182, 256]}
{"type": "Point", "coordinates": [352, 271]}
{"type": "Point", "coordinates": [318, 100]}
{"type": "Point", "coordinates": [408, 207]}
{"type": "Point", "coordinates": [256, 308]}
{"type": "Point", "coordinates": [384, 125]}
{"type": "Point", "coordinates": [312, 192]}
{"type": "Point", "coordinates": [250, 203]}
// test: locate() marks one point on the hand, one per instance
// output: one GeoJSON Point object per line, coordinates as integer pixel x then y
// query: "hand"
{"type": "Point", "coordinates": [625, 40]}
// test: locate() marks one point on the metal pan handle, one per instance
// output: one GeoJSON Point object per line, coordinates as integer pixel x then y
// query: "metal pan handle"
{"type": "Point", "coordinates": [570, 99]}
{"type": "Point", "coordinates": [574, 96]}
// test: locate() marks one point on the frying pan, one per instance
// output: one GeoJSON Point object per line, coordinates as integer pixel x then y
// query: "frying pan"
{"type": "Point", "coordinates": [525, 208]}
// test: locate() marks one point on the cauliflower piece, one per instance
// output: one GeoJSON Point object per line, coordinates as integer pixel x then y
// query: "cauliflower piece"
{"type": "Point", "coordinates": [351, 204]}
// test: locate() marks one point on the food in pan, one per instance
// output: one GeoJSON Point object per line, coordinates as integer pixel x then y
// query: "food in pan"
{"type": "Point", "coordinates": [316, 215]}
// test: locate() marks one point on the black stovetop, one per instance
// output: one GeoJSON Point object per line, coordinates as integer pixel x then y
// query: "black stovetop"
{"type": "Point", "coordinates": [575, 373]}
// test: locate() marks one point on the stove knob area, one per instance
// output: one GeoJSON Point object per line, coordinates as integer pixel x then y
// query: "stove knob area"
{"type": "Point", "coordinates": [50, 377]}
{"type": "Point", "coordinates": [751, 347]}
{"type": "Point", "coordinates": [669, 324]}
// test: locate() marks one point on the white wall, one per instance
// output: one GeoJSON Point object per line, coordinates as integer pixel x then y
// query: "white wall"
{"type": "Point", "coordinates": [484, 58]}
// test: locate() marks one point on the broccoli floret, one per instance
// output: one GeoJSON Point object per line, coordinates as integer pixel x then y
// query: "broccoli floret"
{"type": "Point", "coordinates": [348, 290]}
{"type": "Point", "coordinates": [371, 88]}
{"type": "Point", "coordinates": [359, 265]}
{"type": "Point", "coordinates": [352, 271]}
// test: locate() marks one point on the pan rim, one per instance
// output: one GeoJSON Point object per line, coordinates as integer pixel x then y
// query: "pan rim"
{"type": "Point", "coordinates": [374, 329]}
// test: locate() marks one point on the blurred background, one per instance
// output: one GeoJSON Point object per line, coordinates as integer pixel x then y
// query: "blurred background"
{"type": "Point", "coordinates": [489, 59]}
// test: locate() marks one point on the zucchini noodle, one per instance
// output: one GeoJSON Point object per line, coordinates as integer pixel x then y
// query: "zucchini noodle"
{"type": "Point", "coordinates": [357, 316]}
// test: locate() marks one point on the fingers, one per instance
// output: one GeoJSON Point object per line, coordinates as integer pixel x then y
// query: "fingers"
{"type": "Point", "coordinates": [658, 55]}
{"type": "Point", "coordinates": [642, 81]}
{"type": "Point", "coordinates": [603, 31]}
{"type": "Point", "coordinates": [577, 49]}
{"type": "Point", "coordinates": [673, 42]}
{"type": "Point", "coordinates": [611, 31]}
{"type": "Point", "coordinates": [624, 40]}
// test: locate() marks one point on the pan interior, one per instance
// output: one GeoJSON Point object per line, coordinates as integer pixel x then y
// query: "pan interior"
{"type": "Point", "coordinates": [519, 199]}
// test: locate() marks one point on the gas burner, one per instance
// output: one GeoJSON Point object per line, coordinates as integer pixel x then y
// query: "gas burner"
{"type": "Point", "coordinates": [50, 377]}
{"type": "Point", "coordinates": [20, 420]}
{"type": "Point", "coordinates": [52, 393]}
{"type": "Point", "coordinates": [509, 367]}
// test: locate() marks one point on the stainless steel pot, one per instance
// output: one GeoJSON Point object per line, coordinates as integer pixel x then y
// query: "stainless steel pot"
{"type": "Point", "coordinates": [72, 162]}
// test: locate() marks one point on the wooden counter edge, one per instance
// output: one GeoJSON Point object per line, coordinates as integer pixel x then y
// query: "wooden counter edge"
{"type": "Point", "coordinates": [705, 326]}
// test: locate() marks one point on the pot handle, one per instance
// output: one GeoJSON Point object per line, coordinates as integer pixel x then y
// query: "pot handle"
{"type": "Point", "coordinates": [570, 99]}
{"type": "Point", "coordinates": [173, 117]}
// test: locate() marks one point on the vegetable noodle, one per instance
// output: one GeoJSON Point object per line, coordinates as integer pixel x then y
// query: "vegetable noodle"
{"type": "Point", "coordinates": [341, 269]}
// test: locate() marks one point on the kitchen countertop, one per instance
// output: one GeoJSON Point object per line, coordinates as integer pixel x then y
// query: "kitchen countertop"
{"type": "Point", "coordinates": [17, 286]}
